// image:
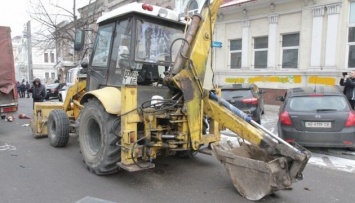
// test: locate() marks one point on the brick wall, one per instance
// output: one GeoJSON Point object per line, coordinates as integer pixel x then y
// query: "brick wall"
{"type": "Point", "coordinates": [271, 94]}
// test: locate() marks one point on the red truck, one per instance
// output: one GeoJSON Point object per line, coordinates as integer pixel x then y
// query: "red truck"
{"type": "Point", "coordinates": [8, 89]}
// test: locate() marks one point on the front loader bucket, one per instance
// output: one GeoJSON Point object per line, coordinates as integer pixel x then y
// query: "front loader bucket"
{"type": "Point", "coordinates": [254, 173]}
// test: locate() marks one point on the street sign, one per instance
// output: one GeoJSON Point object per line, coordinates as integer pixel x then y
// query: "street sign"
{"type": "Point", "coordinates": [216, 44]}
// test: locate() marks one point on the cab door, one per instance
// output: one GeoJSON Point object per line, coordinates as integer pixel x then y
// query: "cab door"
{"type": "Point", "coordinates": [100, 60]}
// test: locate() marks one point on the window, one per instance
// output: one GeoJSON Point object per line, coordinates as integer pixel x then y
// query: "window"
{"type": "Point", "coordinates": [46, 57]}
{"type": "Point", "coordinates": [313, 103]}
{"type": "Point", "coordinates": [154, 41]}
{"type": "Point", "coordinates": [351, 37]}
{"type": "Point", "coordinates": [260, 48]}
{"type": "Point", "coordinates": [47, 76]}
{"type": "Point", "coordinates": [102, 49]}
{"type": "Point", "coordinates": [192, 8]}
{"type": "Point", "coordinates": [52, 57]}
{"type": "Point", "coordinates": [53, 75]}
{"type": "Point", "coordinates": [290, 45]}
{"type": "Point", "coordinates": [235, 53]}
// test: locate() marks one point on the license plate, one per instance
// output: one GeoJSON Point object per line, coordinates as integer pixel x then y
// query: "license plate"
{"type": "Point", "coordinates": [318, 124]}
{"type": "Point", "coordinates": [130, 77]}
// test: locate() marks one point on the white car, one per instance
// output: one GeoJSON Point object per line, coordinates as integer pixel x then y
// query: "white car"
{"type": "Point", "coordinates": [63, 92]}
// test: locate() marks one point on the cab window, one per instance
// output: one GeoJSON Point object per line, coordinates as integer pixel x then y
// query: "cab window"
{"type": "Point", "coordinates": [102, 49]}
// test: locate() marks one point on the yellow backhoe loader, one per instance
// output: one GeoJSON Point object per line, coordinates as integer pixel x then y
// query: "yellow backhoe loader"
{"type": "Point", "coordinates": [138, 103]}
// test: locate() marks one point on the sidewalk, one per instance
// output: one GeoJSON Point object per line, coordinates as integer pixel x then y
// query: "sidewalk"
{"type": "Point", "coordinates": [273, 108]}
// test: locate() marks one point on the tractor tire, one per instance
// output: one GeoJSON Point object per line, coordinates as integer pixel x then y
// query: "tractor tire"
{"type": "Point", "coordinates": [99, 145]}
{"type": "Point", "coordinates": [58, 128]}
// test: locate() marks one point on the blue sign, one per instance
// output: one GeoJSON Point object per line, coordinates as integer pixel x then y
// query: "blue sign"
{"type": "Point", "coordinates": [216, 44]}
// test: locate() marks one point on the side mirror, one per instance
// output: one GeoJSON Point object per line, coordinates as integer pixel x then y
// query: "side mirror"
{"type": "Point", "coordinates": [79, 40]}
{"type": "Point", "coordinates": [280, 98]}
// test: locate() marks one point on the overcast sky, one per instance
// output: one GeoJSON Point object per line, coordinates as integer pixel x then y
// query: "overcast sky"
{"type": "Point", "coordinates": [14, 13]}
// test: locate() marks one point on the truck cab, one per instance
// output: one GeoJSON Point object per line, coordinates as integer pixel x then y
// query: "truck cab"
{"type": "Point", "coordinates": [134, 48]}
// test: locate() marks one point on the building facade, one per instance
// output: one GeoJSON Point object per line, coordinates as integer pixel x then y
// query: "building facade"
{"type": "Point", "coordinates": [32, 60]}
{"type": "Point", "coordinates": [279, 44]}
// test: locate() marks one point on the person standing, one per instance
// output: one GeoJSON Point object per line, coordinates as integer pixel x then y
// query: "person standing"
{"type": "Point", "coordinates": [23, 89]}
{"type": "Point", "coordinates": [18, 85]}
{"type": "Point", "coordinates": [348, 81]}
{"type": "Point", "coordinates": [28, 89]}
{"type": "Point", "coordinates": [38, 92]}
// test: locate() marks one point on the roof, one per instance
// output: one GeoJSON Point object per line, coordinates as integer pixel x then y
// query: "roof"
{"type": "Point", "coordinates": [300, 91]}
{"type": "Point", "coordinates": [138, 8]}
{"type": "Point", "coordinates": [229, 3]}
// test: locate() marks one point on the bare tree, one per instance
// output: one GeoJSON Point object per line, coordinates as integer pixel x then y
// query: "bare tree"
{"type": "Point", "coordinates": [56, 25]}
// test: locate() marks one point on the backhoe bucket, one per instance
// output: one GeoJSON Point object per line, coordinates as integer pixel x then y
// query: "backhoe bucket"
{"type": "Point", "coordinates": [254, 173]}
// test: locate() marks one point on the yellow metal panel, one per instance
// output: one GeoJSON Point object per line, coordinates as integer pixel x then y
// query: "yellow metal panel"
{"type": "Point", "coordinates": [40, 117]}
{"type": "Point", "coordinates": [74, 92]}
{"type": "Point", "coordinates": [128, 128]}
{"type": "Point", "coordinates": [110, 97]}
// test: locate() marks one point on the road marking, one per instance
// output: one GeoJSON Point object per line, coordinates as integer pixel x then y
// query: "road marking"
{"type": "Point", "coordinates": [332, 162]}
{"type": "Point", "coordinates": [89, 199]}
{"type": "Point", "coordinates": [6, 147]}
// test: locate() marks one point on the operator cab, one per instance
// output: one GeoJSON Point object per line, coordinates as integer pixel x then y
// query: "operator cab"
{"type": "Point", "coordinates": [134, 46]}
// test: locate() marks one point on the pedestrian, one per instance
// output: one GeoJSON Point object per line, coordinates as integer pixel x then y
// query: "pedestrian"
{"type": "Point", "coordinates": [38, 92]}
{"type": "Point", "coordinates": [348, 81]}
{"type": "Point", "coordinates": [18, 85]}
{"type": "Point", "coordinates": [23, 89]}
{"type": "Point", "coordinates": [28, 89]}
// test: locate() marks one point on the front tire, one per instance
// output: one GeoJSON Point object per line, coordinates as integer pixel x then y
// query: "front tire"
{"type": "Point", "coordinates": [58, 128]}
{"type": "Point", "coordinates": [98, 143]}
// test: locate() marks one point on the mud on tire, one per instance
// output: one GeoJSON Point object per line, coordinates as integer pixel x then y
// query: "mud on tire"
{"type": "Point", "coordinates": [58, 128]}
{"type": "Point", "coordinates": [98, 142]}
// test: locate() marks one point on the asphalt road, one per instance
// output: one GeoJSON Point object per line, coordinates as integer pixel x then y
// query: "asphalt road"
{"type": "Point", "coordinates": [33, 171]}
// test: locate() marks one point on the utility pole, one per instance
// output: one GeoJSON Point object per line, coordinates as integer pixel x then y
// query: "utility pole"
{"type": "Point", "coordinates": [29, 51]}
{"type": "Point", "coordinates": [74, 15]}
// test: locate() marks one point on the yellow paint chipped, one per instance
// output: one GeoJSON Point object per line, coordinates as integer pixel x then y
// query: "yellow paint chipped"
{"type": "Point", "coordinates": [296, 79]}
{"type": "Point", "coordinates": [321, 80]}
{"type": "Point", "coordinates": [235, 80]}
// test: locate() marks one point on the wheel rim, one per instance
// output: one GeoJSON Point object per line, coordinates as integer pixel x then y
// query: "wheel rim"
{"type": "Point", "coordinates": [52, 129]}
{"type": "Point", "coordinates": [94, 136]}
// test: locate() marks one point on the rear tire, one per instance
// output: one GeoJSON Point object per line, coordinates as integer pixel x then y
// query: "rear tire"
{"type": "Point", "coordinates": [58, 128]}
{"type": "Point", "coordinates": [98, 143]}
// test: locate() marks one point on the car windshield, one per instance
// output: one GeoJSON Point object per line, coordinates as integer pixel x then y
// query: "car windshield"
{"type": "Point", "coordinates": [235, 94]}
{"type": "Point", "coordinates": [154, 41]}
{"type": "Point", "coordinates": [318, 103]}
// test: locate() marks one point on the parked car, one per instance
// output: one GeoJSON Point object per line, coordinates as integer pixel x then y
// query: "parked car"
{"type": "Point", "coordinates": [318, 116]}
{"type": "Point", "coordinates": [63, 92]}
{"type": "Point", "coordinates": [246, 97]}
{"type": "Point", "coordinates": [52, 90]}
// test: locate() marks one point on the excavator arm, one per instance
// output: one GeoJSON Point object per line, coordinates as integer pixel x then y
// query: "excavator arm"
{"type": "Point", "coordinates": [261, 165]}
{"type": "Point", "coordinates": [264, 165]}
